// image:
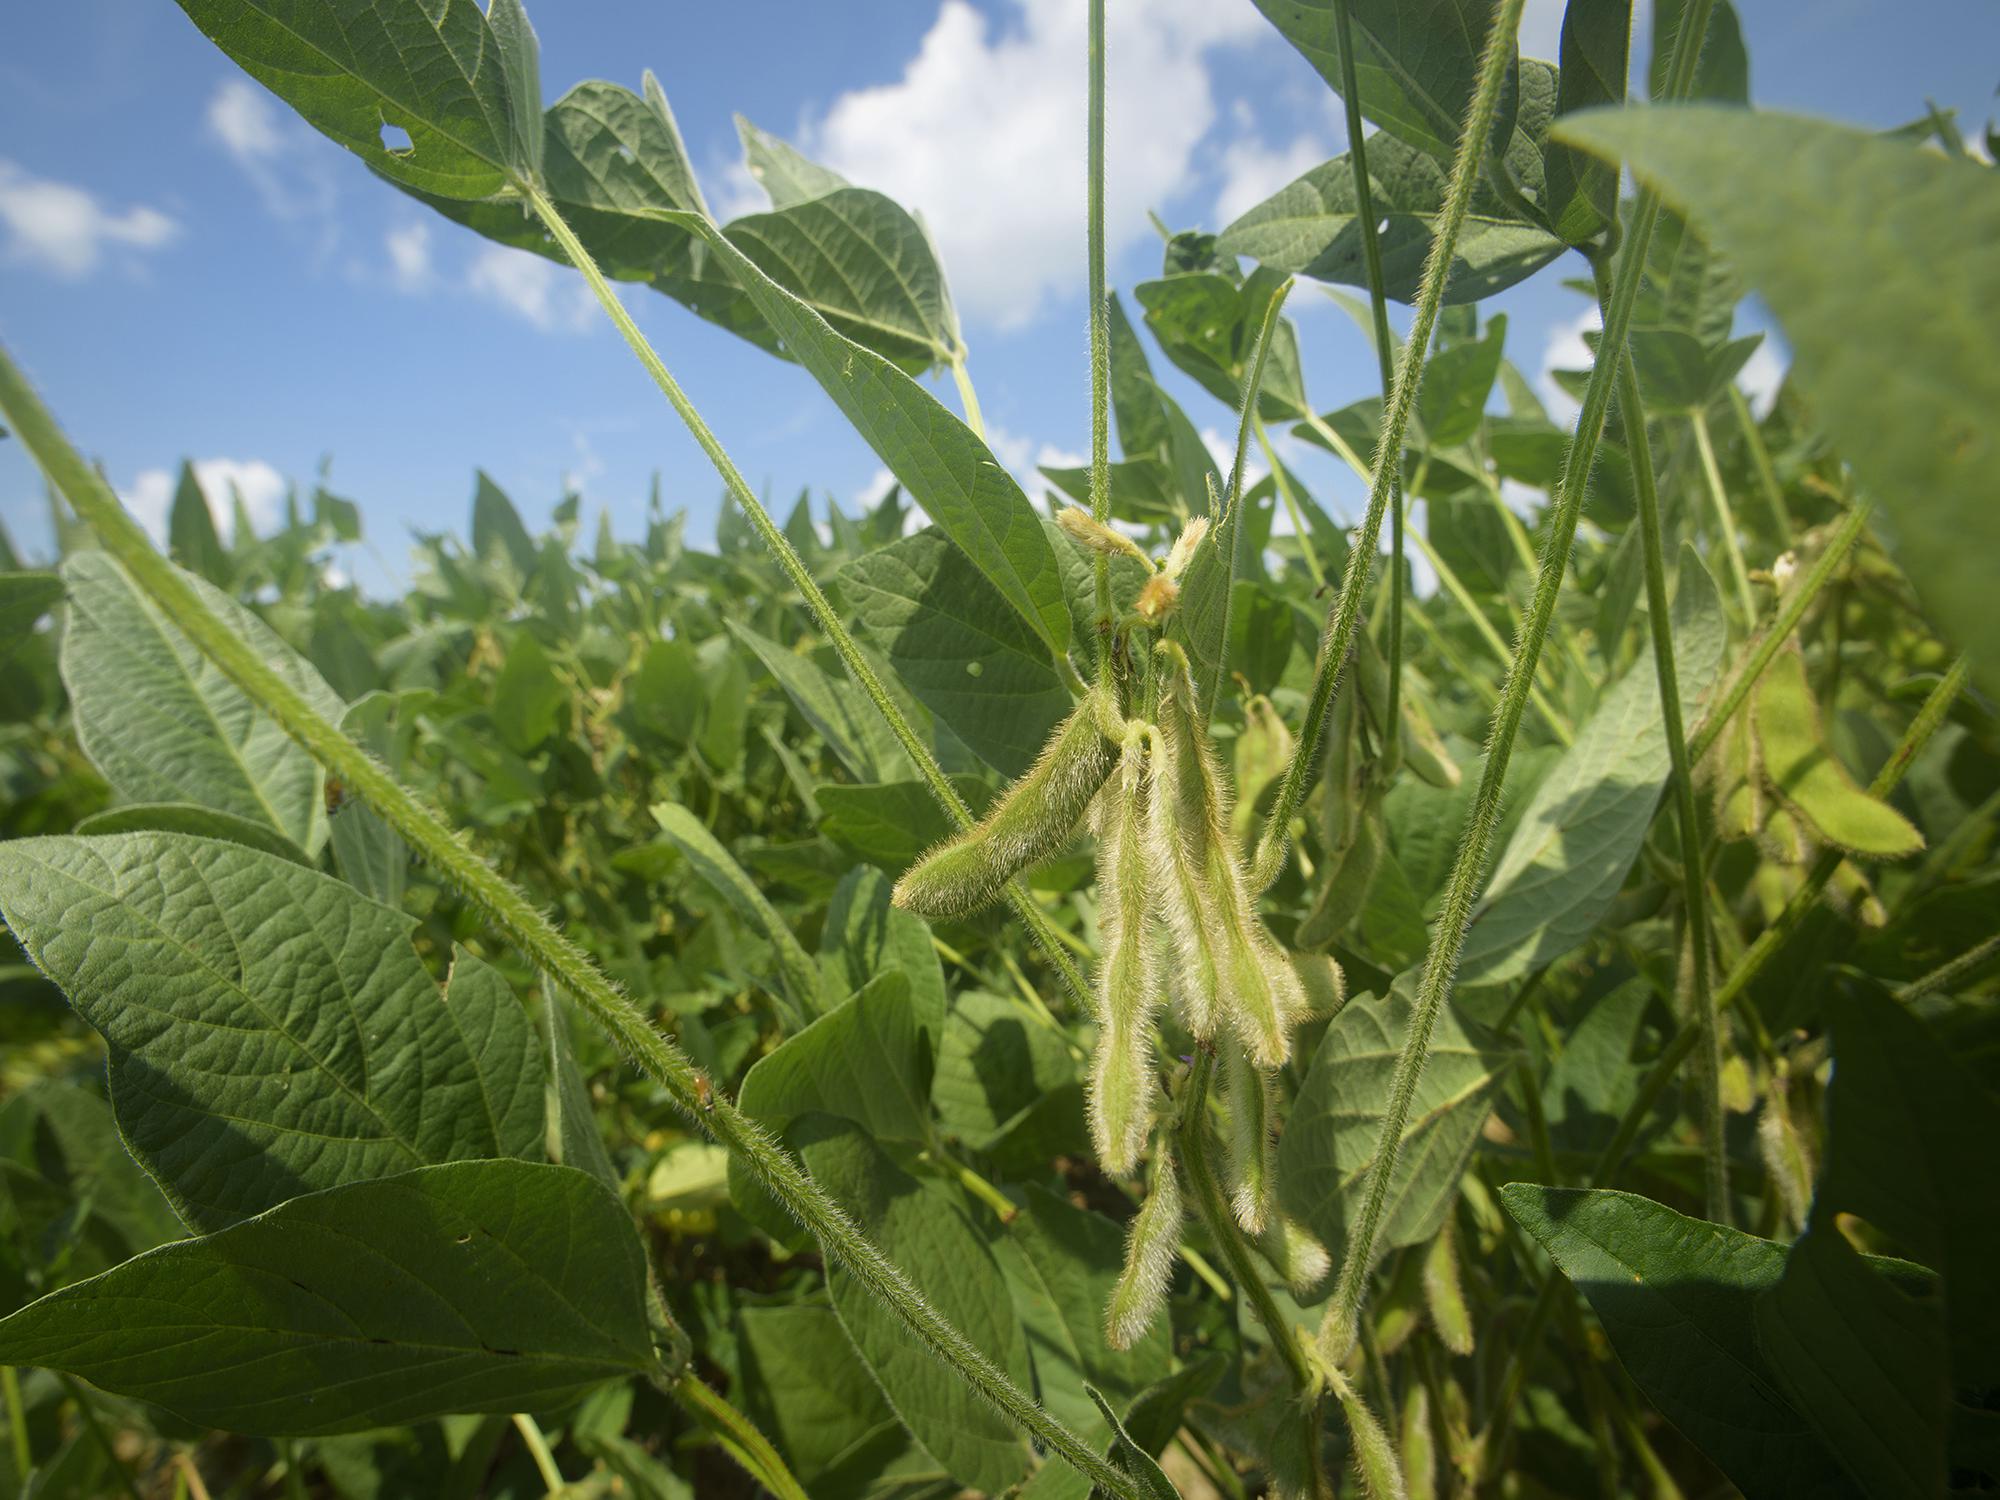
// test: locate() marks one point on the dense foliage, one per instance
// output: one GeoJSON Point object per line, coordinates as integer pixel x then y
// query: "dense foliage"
{"type": "Point", "coordinates": [1532, 1036]}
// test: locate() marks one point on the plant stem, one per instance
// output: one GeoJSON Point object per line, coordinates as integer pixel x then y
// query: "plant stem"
{"type": "Point", "coordinates": [1947, 974]}
{"type": "Point", "coordinates": [1725, 515]}
{"type": "Point", "coordinates": [1346, 609]}
{"type": "Point", "coordinates": [1469, 868]}
{"type": "Point", "coordinates": [295, 1483]}
{"type": "Point", "coordinates": [1292, 508]}
{"type": "Point", "coordinates": [17, 1421]}
{"type": "Point", "coordinates": [1760, 460]}
{"type": "Point", "coordinates": [523, 921]}
{"type": "Point", "coordinates": [1378, 307]}
{"type": "Point", "coordinates": [1694, 875]}
{"type": "Point", "coordinates": [967, 396]}
{"type": "Point", "coordinates": [538, 1449]}
{"type": "Point", "coordinates": [1194, 1148]}
{"type": "Point", "coordinates": [1774, 635]}
{"type": "Point", "coordinates": [740, 1436]}
{"type": "Point", "coordinates": [1100, 334]}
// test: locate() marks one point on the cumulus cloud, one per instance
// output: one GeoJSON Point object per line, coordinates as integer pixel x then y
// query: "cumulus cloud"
{"type": "Point", "coordinates": [150, 495]}
{"type": "Point", "coordinates": [1760, 378]}
{"type": "Point", "coordinates": [534, 289]}
{"type": "Point", "coordinates": [1565, 350]}
{"type": "Point", "coordinates": [66, 230]}
{"type": "Point", "coordinates": [409, 256]}
{"type": "Point", "coordinates": [983, 134]}
{"type": "Point", "coordinates": [284, 162]}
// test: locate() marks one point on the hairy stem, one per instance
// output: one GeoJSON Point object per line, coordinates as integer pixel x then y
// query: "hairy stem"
{"type": "Point", "coordinates": [1378, 308]}
{"type": "Point", "coordinates": [525, 924]}
{"type": "Point", "coordinates": [1725, 514]}
{"type": "Point", "coordinates": [1694, 875]}
{"type": "Point", "coordinates": [538, 1449]}
{"type": "Point", "coordinates": [1469, 869]}
{"type": "Point", "coordinates": [1339, 636]}
{"type": "Point", "coordinates": [739, 1437]}
{"type": "Point", "coordinates": [1948, 973]}
{"type": "Point", "coordinates": [967, 396]}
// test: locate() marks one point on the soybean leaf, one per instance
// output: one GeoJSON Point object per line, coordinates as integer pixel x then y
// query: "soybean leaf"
{"type": "Point", "coordinates": [835, 709]}
{"type": "Point", "coordinates": [1328, 1147]}
{"type": "Point", "coordinates": [1580, 194]}
{"type": "Point", "coordinates": [1001, 1079]}
{"type": "Point", "coordinates": [797, 978]}
{"type": "Point", "coordinates": [887, 823]}
{"type": "Point", "coordinates": [528, 698]}
{"type": "Point", "coordinates": [24, 599]}
{"type": "Point", "coordinates": [1723, 72]}
{"type": "Point", "coordinates": [782, 170]}
{"type": "Point", "coordinates": [370, 855]}
{"type": "Point", "coordinates": [431, 68]}
{"type": "Point", "coordinates": [865, 1060]}
{"type": "Point", "coordinates": [163, 724]}
{"type": "Point", "coordinates": [470, 1287]}
{"type": "Point", "coordinates": [1803, 770]}
{"type": "Point", "coordinates": [947, 469]}
{"type": "Point", "coordinates": [1131, 1459]}
{"type": "Point", "coordinates": [1584, 827]}
{"type": "Point", "coordinates": [1457, 381]}
{"type": "Point", "coordinates": [1864, 1362]}
{"type": "Point", "coordinates": [1909, 1126]}
{"type": "Point", "coordinates": [497, 528]}
{"type": "Point", "coordinates": [1677, 1297]}
{"type": "Point", "coordinates": [1135, 399]}
{"type": "Point", "coordinates": [1416, 62]}
{"type": "Point", "coordinates": [1892, 350]}
{"type": "Point", "coordinates": [271, 1032]}
{"type": "Point", "coordinates": [1208, 322]}
{"type": "Point", "coordinates": [196, 821]}
{"type": "Point", "coordinates": [923, 1226]}
{"type": "Point", "coordinates": [191, 538]}
{"type": "Point", "coordinates": [68, 1136]}
{"type": "Point", "coordinates": [865, 935]}
{"type": "Point", "coordinates": [805, 1385]}
{"type": "Point", "coordinates": [1309, 228]}
{"type": "Point", "coordinates": [950, 636]}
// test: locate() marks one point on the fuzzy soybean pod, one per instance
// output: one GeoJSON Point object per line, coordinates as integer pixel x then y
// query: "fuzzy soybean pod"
{"type": "Point", "coordinates": [1031, 823]}
{"type": "Point", "coordinates": [1375, 1458]}
{"type": "Point", "coordinates": [1175, 852]}
{"type": "Point", "coordinates": [1121, 1076]}
{"type": "Point", "coordinates": [1257, 990]}
{"type": "Point", "coordinates": [1251, 1155]}
{"type": "Point", "coordinates": [1299, 1258]}
{"type": "Point", "coordinates": [1151, 1241]}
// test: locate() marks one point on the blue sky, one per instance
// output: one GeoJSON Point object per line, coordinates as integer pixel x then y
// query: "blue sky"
{"type": "Point", "coordinates": [189, 271]}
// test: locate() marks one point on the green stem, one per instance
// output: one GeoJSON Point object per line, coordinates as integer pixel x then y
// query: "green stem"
{"type": "Point", "coordinates": [739, 1435]}
{"type": "Point", "coordinates": [1760, 460]}
{"type": "Point", "coordinates": [1194, 1151]}
{"type": "Point", "coordinates": [1378, 307]}
{"type": "Point", "coordinates": [967, 396]}
{"type": "Point", "coordinates": [538, 1449]}
{"type": "Point", "coordinates": [801, 577]}
{"type": "Point", "coordinates": [295, 1482]}
{"type": "Point", "coordinates": [523, 921]}
{"type": "Point", "coordinates": [1292, 507]}
{"type": "Point", "coordinates": [1468, 870]}
{"type": "Point", "coordinates": [17, 1421]}
{"type": "Point", "coordinates": [1725, 515]}
{"type": "Point", "coordinates": [1947, 974]}
{"type": "Point", "coordinates": [1694, 876]}
{"type": "Point", "coordinates": [1773, 636]}
{"type": "Point", "coordinates": [1339, 636]}
{"type": "Point", "coordinates": [1100, 334]}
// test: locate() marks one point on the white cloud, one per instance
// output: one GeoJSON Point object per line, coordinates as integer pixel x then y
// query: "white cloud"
{"type": "Point", "coordinates": [150, 495]}
{"type": "Point", "coordinates": [409, 256]}
{"type": "Point", "coordinates": [532, 288]}
{"type": "Point", "coordinates": [65, 229]}
{"type": "Point", "coordinates": [285, 163]}
{"type": "Point", "coordinates": [1541, 29]}
{"type": "Point", "coordinates": [1565, 350]}
{"type": "Point", "coordinates": [1252, 171]}
{"type": "Point", "coordinates": [1760, 378]}
{"type": "Point", "coordinates": [984, 134]}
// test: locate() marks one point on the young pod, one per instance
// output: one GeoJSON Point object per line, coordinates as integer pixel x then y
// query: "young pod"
{"type": "Point", "coordinates": [1444, 1295]}
{"type": "Point", "coordinates": [1031, 823]}
{"type": "Point", "coordinates": [1251, 1155]}
{"type": "Point", "coordinates": [1121, 1082]}
{"type": "Point", "coordinates": [1174, 835]}
{"type": "Point", "coordinates": [1376, 1461]}
{"type": "Point", "coordinates": [1419, 1443]}
{"type": "Point", "coordinates": [1302, 1260]}
{"type": "Point", "coordinates": [1151, 1242]}
{"type": "Point", "coordinates": [1803, 770]}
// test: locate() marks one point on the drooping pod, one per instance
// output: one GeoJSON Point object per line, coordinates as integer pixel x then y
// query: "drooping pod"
{"type": "Point", "coordinates": [1121, 1075]}
{"type": "Point", "coordinates": [1376, 1462]}
{"type": "Point", "coordinates": [1151, 1242]}
{"type": "Point", "coordinates": [1251, 1142]}
{"type": "Point", "coordinates": [1174, 831]}
{"type": "Point", "coordinates": [1444, 1294]}
{"type": "Point", "coordinates": [1299, 1258]}
{"type": "Point", "coordinates": [1258, 991]}
{"type": "Point", "coordinates": [1031, 823]}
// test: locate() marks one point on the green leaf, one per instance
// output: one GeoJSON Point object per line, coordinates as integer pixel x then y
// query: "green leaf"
{"type": "Point", "coordinates": [1580, 194]}
{"type": "Point", "coordinates": [886, 823]}
{"type": "Point", "coordinates": [1577, 839]}
{"type": "Point", "coordinates": [1328, 1147]}
{"type": "Point", "coordinates": [271, 1032]}
{"type": "Point", "coordinates": [999, 1072]}
{"type": "Point", "coordinates": [798, 978]}
{"type": "Point", "coordinates": [1457, 382]}
{"type": "Point", "coordinates": [834, 708]}
{"type": "Point", "coordinates": [472, 1287]}
{"type": "Point", "coordinates": [1910, 1128]}
{"type": "Point", "coordinates": [924, 1227]}
{"type": "Point", "coordinates": [432, 68]}
{"type": "Point", "coordinates": [1677, 1297]}
{"type": "Point", "coordinates": [1416, 62]}
{"type": "Point", "coordinates": [70, 1138]}
{"type": "Point", "coordinates": [1207, 323]}
{"type": "Point", "coordinates": [496, 527]}
{"type": "Point", "coordinates": [865, 1060]}
{"type": "Point", "coordinates": [24, 599]}
{"type": "Point", "coordinates": [528, 697]}
{"type": "Point", "coordinates": [191, 538]}
{"type": "Point", "coordinates": [951, 638]}
{"type": "Point", "coordinates": [370, 855]}
{"type": "Point", "coordinates": [1892, 349]}
{"type": "Point", "coordinates": [946, 468]}
{"type": "Point", "coordinates": [1865, 1364]}
{"type": "Point", "coordinates": [163, 724]}
{"type": "Point", "coordinates": [1309, 228]}
{"type": "Point", "coordinates": [1723, 73]}
{"type": "Point", "coordinates": [1135, 399]}
{"type": "Point", "coordinates": [197, 822]}
{"type": "Point", "coordinates": [864, 936]}
{"type": "Point", "coordinates": [1794, 756]}
{"type": "Point", "coordinates": [785, 173]}
{"type": "Point", "coordinates": [1130, 1459]}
